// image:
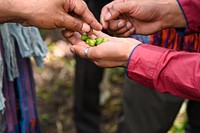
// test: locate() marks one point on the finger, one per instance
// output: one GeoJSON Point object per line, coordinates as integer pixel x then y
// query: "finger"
{"type": "Point", "coordinates": [72, 23]}
{"type": "Point", "coordinates": [118, 32]}
{"type": "Point", "coordinates": [124, 31]}
{"type": "Point", "coordinates": [128, 33]}
{"type": "Point", "coordinates": [82, 10]}
{"type": "Point", "coordinates": [67, 33]}
{"type": "Point", "coordinates": [116, 24]}
{"type": "Point", "coordinates": [101, 34]}
{"type": "Point", "coordinates": [104, 11]}
{"type": "Point", "coordinates": [118, 9]}
{"type": "Point", "coordinates": [79, 50]}
{"type": "Point", "coordinates": [73, 38]}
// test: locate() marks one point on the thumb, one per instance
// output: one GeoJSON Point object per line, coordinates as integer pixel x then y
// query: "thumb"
{"type": "Point", "coordinates": [73, 24]}
{"type": "Point", "coordinates": [118, 9]}
{"type": "Point", "coordinates": [100, 34]}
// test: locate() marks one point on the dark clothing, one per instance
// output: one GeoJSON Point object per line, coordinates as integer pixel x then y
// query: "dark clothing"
{"type": "Point", "coordinates": [20, 114]}
{"type": "Point", "coordinates": [193, 109]}
{"type": "Point", "coordinates": [86, 86]}
{"type": "Point", "coordinates": [86, 92]}
{"type": "Point", "coordinates": [148, 111]}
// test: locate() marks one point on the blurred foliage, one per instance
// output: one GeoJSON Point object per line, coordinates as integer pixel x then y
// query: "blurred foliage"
{"type": "Point", "coordinates": [180, 122]}
{"type": "Point", "coordinates": [116, 75]}
{"type": "Point", "coordinates": [44, 32]}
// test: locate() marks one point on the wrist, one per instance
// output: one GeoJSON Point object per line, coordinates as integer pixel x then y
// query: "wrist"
{"type": "Point", "coordinates": [129, 54]}
{"type": "Point", "coordinates": [172, 16]}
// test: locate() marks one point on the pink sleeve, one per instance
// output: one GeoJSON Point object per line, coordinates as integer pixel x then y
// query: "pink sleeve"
{"type": "Point", "coordinates": [165, 70]}
{"type": "Point", "coordinates": [191, 11]}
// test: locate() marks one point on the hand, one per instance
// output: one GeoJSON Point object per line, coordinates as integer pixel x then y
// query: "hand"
{"type": "Point", "coordinates": [146, 16]}
{"type": "Point", "coordinates": [113, 53]}
{"type": "Point", "coordinates": [120, 28]}
{"type": "Point", "coordinates": [50, 14]}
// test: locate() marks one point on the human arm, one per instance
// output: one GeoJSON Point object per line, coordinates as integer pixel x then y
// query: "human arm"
{"type": "Point", "coordinates": [166, 70]}
{"type": "Point", "coordinates": [49, 14]}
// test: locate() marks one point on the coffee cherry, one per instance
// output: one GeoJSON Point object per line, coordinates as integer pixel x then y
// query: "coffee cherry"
{"type": "Point", "coordinates": [84, 37]}
{"type": "Point", "coordinates": [99, 40]}
{"type": "Point", "coordinates": [91, 42]}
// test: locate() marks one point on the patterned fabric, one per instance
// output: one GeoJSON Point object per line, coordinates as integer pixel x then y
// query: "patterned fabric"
{"type": "Point", "coordinates": [29, 43]}
{"type": "Point", "coordinates": [20, 114]}
{"type": "Point", "coordinates": [169, 38]}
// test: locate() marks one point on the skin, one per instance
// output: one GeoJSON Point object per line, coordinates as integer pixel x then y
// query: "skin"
{"type": "Point", "coordinates": [115, 52]}
{"type": "Point", "coordinates": [146, 16]}
{"type": "Point", "coordinates": [142, 17]}
{"type": "Point", "coordinates": [120, 28]}
{"type": "Point", "coordinates": [73, 15]}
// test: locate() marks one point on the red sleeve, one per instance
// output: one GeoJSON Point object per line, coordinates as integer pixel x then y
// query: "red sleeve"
{"type": "Point", "coordinates": [191, 11]}
{"type": "Point", "coordinates": [166, 70]}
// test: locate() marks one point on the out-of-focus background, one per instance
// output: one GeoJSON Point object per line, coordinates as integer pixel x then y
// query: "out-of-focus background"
{"type": "Point", "coordinates": [55, 91]}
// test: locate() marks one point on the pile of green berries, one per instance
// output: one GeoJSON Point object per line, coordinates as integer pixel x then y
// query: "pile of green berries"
{"type": "Point", "coordinates": [93, 42]}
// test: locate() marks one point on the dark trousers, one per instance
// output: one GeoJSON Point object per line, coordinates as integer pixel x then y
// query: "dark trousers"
{"type": "Point", "coordinates": [149, 111]}
{"type": "Point", "coordinates": [86, 93]}
{"type": "Point", "coordinates": [193, 112]}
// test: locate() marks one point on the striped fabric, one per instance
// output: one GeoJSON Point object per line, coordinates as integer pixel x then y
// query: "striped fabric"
{"type": "Point", "coordinates": [20, 114]}
{"type": "Point", "coordinates": [169, 38]}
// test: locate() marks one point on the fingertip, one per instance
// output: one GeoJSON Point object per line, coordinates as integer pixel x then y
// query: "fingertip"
{"type": "Point", "coordinates": [133, 30]}
{"type": "Point", "coordinates": [129, 25]}
{"type": "Point", "coordinates": [72, 49]}
{"type": "Point", "coordinates": [66, 33]}
{"type": "Point", "coordinates": [107, 16]}
{"type": "Point", "coordinates": [100, 27]}
{"type": "Point", "coordinates": [121, 24]}
{"type": "Point", "coordinates": [85, 28]}
{"type": "Point", "coordinates": [105, 25]}
{"type": "Point", "coordinates": [90, 32]}
{"type": "Point", "coordinates": [96, 25]}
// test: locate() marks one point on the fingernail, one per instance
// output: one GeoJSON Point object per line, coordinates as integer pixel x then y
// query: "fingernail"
{"type": "Point", "coordinates": [132, 30]}
{"type": "Point", "coordinates": [72, 50]}
{"type": "Point", "coordinates": [120, 24]}
{"type": "Point", "coordinates": [128, 25]}
{"type": "Point", "coordinates": [86, 27]}
{"type": "Point", "coordinates": [107, 16]}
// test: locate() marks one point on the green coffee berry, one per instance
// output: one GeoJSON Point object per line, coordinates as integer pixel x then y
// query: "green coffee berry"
{"type": "Point", "coordinates": [99, 40]}
{"type": "Point", "coordinates": [84, 37]}
{"type": "Point", "coordinates": [91, 42]}
{"type": "Point", "coordinates": [105, 40]}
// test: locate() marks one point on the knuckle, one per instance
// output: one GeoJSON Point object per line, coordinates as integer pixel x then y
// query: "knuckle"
{"type": "Point", "coordinates": [77, 25]}
{"type": "Point", "coordinates": [59, 21]}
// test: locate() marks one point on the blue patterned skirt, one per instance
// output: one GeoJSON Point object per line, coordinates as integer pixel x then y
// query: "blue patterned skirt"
{"type": "Point", "coordinates": [20, 114]}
